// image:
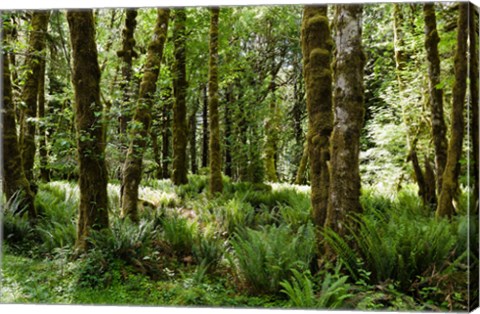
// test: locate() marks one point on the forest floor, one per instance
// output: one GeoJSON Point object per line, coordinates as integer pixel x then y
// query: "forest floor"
{"type": "Point", "coordinates": [252, 246]}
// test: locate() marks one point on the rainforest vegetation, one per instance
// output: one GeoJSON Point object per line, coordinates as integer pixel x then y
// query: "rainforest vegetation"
{"type": "Point", "coordinates": [319, 156]}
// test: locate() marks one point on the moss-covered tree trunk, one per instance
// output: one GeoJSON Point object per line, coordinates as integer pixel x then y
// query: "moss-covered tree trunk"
{"type": "Point", "coordinates": [301, 171]}
{"type": "Point", "coordinates": [132, 169]}
{"type": "Point", "coordinates": [317, 46]}
{"type": "Point", "coordinates": [439, 129]}
{"type": "Point", "coordinates": [228, 131]}
{"type": "Point", "coordinates": [166, 134]}
{"type": "Point", "coordinates": [33, 61]}
{"type": "Point", "coordinates": [205, 134]}
{"type": "Point", "coordinates": [127, 54]}
{"type": "Point", "coordinates": [344, 196]}
{"type": "Point", "coordinates": [271, 132]}
{"type": "Point", "coordinates": [179, 171]}
{"type": "Point", "coordinates": [93, 177]}
{"type": "Point", "coordinates": [473, 35]}
{"type": "Point", "coordinates": [42, 148]}
{"type": "Point", "coordinates": [216, 184]}
{"type": "Point", "coordinates": [452, 168]}
{"type": "Point", "coordinates": [192, 121]}
{"type": "Point", "coordinates": [14, 180]}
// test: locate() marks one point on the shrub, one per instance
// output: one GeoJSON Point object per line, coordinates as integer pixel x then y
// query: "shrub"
{"type": "Point", "coordinates": [262, 258]}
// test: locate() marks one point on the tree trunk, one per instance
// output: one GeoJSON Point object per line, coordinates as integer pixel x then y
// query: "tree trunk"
{"type": "Point", "coordinates": [271, 134]}
{"type": "Point", "coordinates": [300, 177]}
{"type": "Point", "coordinates": [439, 129]}
{"type": "Point", "coordinates": [349, 109]}
{"type": "Point", "coordinates": [297, 113]}
{"type": "Point", "coordinates": [93, 178]}
{"type": "Point", "coordinates": [228, 132]}
{"type": "Point", "coordinates": [13, 174]}
{"type": "Point", "coordinates": [36, 48]}
{"type": "Point", "coordinates": [216, 184]}
{"type": "Point", "coordinates": [179, 173]}
{"type": "Point", "coordinates": [166, 134]}
{"type": "Point", "coordinates": [474, 101]}
{"type": "Point", "coordinates": [42, 149]}
{"type": "Point", "coordinates": [317, 46]}
{"type": "Point", "coordinates": [127, 54]}
{"type": "Point", "coordinates": [452, 168]}
{"type": "Point", "coordinates": [193, 139]}
{"type": "Point", "coordinates": [205, 134]}
{"type": "Point", "coordinates": [132, 169]}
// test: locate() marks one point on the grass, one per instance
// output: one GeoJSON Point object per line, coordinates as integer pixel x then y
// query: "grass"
{"type": "Point", "coordinates": [253, 246]}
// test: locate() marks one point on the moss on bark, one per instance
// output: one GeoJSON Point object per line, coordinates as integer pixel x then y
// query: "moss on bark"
{"type": "Point", "coordinates": [439, 129]}
{"type": "Point", "coordinates": [317, 46]}
{"type": "Point", "coordinates": [216, 184]}
{"type": "Point", "coordinates": [93, 178]}
{"type": "Point", "coordinates": [127, 54]}
{"type": "Point", "coordinates": [473, 36]}
{"type": "Point", "coordinates": [180, 138]}
{"type": "Point", "coordinates": [33, 61]}
{"type": "Point", "coordinates": [13, 174]}
{"type": "Point", "coordinates": [42, 149]}
{"type": "Point", "coordinates": [344, 195]}
{"type": "Point", "coordinates": [132, 170]}
{"type": "Point", "coordinates": [452, 168]}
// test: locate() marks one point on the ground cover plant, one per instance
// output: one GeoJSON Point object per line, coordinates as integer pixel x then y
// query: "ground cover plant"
{"type": "Point", "coordinates": [294, 157]}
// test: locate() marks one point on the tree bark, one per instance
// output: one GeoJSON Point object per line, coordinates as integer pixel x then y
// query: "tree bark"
{"type": "Point", "coordinates": [228, 132]}
{"type": "Point", "coordinates": [439, 129]}
{"type": "Point", "coordinates": [216, 184]}
{"type": "Point", "coordinates": [14, 177]}
{"type": "Point", "coordinates": [317, 46]}
{"type": "Point", "coordinates": [166, 134]}
{"type": "Point", "coordinates": [179, 173]}
{"type": "Point", "coordinates": [300, 177]}
{"type": "Point", "coordinates": [473, 35]}
{"type": "Point", "coordinates": [271, 131]}
{"type": "Point", "coordinates": [132, 169]}
{"type": "Point", "coordinates": [452, 168]}
{"type": "Point", "coordinates": [36, 49]}
{"type": "Point", "coordinates": [205, 134]}
{"type": "Point", "coordinates": [93, 178]}
{"type": "Point", "coordinates": [42, 149]}
{"type": "Point", "coordinates": [344, 196]}
{"type": "Point", "coordinates": [127, 54]}
{"type": "Point", "coordinates": [193, 139]}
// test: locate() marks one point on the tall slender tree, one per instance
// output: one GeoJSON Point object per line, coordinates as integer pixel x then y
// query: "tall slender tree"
{"type": "Point", "coordinates": [317, 46]}
{"type": "Point", "coordinates": [439, 129]}
{"type": "Point", "coordinates": [42, 149]}
{"type": "Point", "coordinates": [93, 177]}
{"type": "Point", "coordinates": [15, 180]}
{"type": "Point", "coordinates": [452, 168]}
{"type": "Point", "coordinates": [180, 137]}
{"type": "Point", "coordinates": [33, 62]}
{"type": "Point", "coordinates": [132, 170]}
{"type": "Point", "coordinates": [127, 54]}
{"type": "Point", "coordinates": [348, 99]}
{"type": "Point", "coordinates": [473, 75]}
{"type": "Point", "coordinates": [216, 184]}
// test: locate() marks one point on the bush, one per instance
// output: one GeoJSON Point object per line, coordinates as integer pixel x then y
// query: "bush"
{"type": "Point", "coordinates": [262, 258]}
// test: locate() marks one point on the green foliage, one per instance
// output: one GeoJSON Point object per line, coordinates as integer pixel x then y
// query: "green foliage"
{"type": "Point", "coordinates": [179, 234]}
{"type": "Point", "coordinates": [394, 244]}
{"type": "Point", "coordinates": [262, 258]}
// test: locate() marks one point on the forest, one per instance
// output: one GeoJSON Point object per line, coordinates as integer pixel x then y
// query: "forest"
{"type": "Point", "coordinates": [288, 156]}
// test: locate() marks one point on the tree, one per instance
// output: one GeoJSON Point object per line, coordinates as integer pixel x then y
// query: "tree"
{"type": "Point", "coordinates": [132, 171]}
{"type": "Point", "coordinates": [127, 54]}
{"type": "Point", "coordinates": [33, 62]}
{"type": "Point", "coordinates": [439, 129]}
{"type": "Point", "coordinates": [216, 184]}
{"type": "Point", "coordinates": [15, 180]}
{"type": "Point", "coordinates": [348, 99]}
{"type": "Point", "coordinates": [473, 75]}
{"type": "Point", "coordinates": [180, 138]}
{"type": "Point", "coordinates": [317, 46]}
{"type": "Point", "coordinates": [452, 168]}
{"type": "Point", "coordinates": [93, 179]}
